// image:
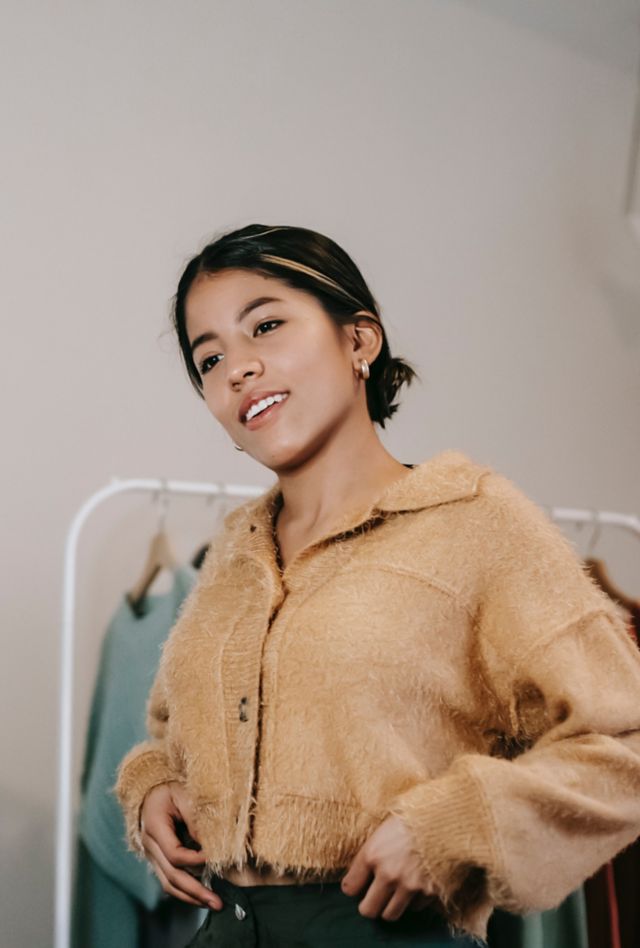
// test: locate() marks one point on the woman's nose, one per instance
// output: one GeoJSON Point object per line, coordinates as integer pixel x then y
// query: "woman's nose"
{"type": "Point", "coordinates": [242, 370]}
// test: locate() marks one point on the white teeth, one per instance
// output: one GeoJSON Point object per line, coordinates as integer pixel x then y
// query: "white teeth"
{"type": "Point", "coordinates": [262, 404]}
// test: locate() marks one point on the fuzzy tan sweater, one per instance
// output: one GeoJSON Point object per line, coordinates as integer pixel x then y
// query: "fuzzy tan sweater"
{"type": "Point", "coordinates": [442, 656]}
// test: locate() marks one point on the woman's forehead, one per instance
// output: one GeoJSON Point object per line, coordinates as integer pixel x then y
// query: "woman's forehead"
{"type": "Point", "coordinates": [229, 286]}
{"type": "Point", "coordinates": [229, 296]}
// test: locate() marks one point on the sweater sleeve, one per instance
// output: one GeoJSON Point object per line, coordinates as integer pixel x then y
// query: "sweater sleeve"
{"type": "Point", "coordinates": [556, 795]}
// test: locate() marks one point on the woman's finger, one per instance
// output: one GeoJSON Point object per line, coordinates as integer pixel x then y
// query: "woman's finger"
{"type": "Point", "coordinates": [171, 890]}
{"type": "Point", "coordinates": [397, 904]}
{"type": "Point", "coordinates": [358, 875]}
{"type": "Point", "coordinates": [376, 898]}
{"type": "Point", "coordinates": [182, 880]}
{"type": "Point", "coordinates": [164, 834]}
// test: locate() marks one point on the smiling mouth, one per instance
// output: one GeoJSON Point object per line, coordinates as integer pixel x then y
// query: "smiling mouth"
{"type": "Point", "coordinates": [256, 421]}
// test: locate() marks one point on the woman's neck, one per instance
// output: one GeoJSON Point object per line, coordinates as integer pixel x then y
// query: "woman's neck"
{"type": "Point", "coordinates": [321, 491]}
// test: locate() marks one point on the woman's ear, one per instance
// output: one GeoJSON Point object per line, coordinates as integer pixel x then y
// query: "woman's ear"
{"type": "Point", "coordinates": [366, 337]}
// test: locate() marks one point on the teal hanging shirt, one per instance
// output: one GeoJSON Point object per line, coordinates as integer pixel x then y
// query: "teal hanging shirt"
{"type": "Point", "coordinates": [128, 664]}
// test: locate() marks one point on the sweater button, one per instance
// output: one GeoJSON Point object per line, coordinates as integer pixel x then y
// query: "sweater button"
{"type": "Point", "coordinates": [240, 912]}
{"type": "Point", "coordinates": [243, 709]}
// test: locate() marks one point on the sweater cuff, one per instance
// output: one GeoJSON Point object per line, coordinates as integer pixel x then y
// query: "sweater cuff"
{"type": "Point", "coordinates": [452, 829]}
{"type": "Point", "coordinates": [142, 769]}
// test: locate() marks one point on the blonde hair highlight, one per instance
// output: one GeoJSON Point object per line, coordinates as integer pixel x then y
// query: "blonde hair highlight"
{"type": "Point", "coordinates": [303, 268]}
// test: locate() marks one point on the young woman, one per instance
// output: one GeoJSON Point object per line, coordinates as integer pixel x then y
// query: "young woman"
{"type": "Point", "coordinates": [393, 700]}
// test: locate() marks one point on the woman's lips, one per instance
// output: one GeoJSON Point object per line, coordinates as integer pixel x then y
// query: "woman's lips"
{"type": "Point", "coordinates": [265, 415]}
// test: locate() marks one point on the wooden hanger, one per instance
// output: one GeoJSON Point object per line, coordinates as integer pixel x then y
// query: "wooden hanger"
{"type": "Point", "coordinates": [199, 556]}
{"type": "Point", "coordinates": [159, 557]}
{"type": "Point", "coordinates": [598, 571]}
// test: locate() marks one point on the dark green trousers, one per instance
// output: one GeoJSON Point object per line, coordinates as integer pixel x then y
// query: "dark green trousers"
{"type": "Point", "coordinates": [315, 915]}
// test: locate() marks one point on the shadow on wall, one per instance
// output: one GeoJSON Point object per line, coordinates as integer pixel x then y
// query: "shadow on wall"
{"type": "Point", "coordinates": [623, 298]}
{"type": "Point", "coordinates": [605, 32]}
{"type": "Point", "coordinates": [26, 881]}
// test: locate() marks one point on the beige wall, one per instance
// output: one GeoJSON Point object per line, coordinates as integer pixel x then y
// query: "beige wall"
{"type": "Point", "coordinates": [471, 158]}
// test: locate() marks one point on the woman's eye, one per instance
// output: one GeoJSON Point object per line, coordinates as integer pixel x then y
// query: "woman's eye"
{"type": "Point", "coordinates": [269, 322]}
{"type": "Point", "coordinates": [205, 366]}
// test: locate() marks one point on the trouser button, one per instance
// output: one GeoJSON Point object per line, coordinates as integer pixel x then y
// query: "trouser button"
{"type": "Point", "coordinates": [240, 912]}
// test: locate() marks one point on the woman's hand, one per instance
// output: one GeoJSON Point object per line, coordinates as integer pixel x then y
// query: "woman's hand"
{"type": "Point", "coordinates": [163, 807]}
{"type": "Point", "coordinates": [398, 880]}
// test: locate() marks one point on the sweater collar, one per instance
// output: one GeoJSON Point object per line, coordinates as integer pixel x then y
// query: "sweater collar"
{"type": "Point", "coordinates": [447, 477]}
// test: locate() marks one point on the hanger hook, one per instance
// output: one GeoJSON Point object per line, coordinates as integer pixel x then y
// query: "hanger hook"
{"type": "Point", "coordinates": [162, 498]}
{"type": "Point", "coordinates": [212, 499]}
{"type": "Point", "coordinates": [597, 529]}
{"type": "Point", "coordinates": [221, 502]}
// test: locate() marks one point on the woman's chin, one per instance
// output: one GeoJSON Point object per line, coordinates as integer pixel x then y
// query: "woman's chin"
{"type": "Point", "coordinates": [281, 457]}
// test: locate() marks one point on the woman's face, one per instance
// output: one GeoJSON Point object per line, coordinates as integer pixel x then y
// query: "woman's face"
{"type": "Point", "coordinates": [252, 336]}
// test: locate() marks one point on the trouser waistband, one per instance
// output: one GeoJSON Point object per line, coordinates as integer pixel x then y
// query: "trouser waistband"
{"type": "Point", "coordinates": [241, 894]}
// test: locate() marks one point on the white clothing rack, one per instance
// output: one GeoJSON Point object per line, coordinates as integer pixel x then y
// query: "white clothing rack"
{"type": "Point", "coordinates": [65, 761]}
{"type": "Point", "coordinates": [596, 517]}
{"type": "Point", "coordinates": [64, 815]}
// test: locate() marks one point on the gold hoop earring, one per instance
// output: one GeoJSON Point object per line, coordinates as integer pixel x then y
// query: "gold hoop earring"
{"type": "Point", "coordinates": [364, 369]}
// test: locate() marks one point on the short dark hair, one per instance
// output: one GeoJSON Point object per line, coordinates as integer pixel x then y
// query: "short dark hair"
{"type": "Point", "coordinates": [304, 260]}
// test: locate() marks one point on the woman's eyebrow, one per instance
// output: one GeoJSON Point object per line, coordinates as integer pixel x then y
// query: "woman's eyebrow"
{"type": "Point", "coordinates": [246, 309]}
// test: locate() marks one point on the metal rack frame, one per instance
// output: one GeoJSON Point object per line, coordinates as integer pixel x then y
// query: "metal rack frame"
{"type": "Point", "coordinates": [596, 517]}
